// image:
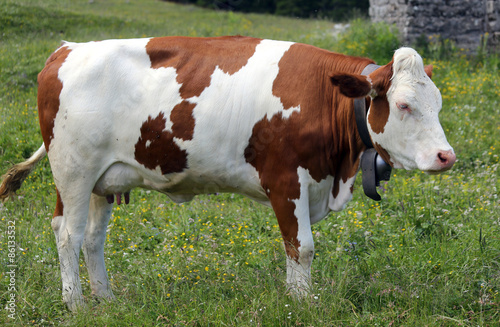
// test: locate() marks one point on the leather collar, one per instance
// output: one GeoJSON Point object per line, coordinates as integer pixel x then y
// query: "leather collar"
{"type": "Point", "coordinates": [373, 166]}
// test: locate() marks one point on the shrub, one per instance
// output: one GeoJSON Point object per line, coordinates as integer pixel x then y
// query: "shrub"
{"type": "Point", "coordinates": [377, 41]}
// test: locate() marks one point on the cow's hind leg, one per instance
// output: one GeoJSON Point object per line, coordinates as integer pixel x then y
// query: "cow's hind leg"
{"type": "Point", "coordinates": [70, 219]}
{"type": "Point", "coordinates": [93, 246]}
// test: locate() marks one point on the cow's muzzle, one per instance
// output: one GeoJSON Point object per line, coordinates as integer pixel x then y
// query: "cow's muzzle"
{"type": "Point", "coordinates": [444, 161]}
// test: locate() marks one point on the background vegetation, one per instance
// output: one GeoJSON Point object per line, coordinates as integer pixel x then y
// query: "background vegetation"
{"type": "Point", "coordinates": [332, 9]}
{"type": "Point", "coordinates": [428, 254]}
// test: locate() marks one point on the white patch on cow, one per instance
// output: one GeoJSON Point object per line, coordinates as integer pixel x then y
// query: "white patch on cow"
{"type": "Point", "coordinates": [344, 196]}
{"type": "Point", "coordinates": [148, 143]}
{"type": "Point", "coordinates": [318, 194]}
{"type": "Point", "coordinates": [93, 246]}
{"type": "Point", "coordinates": [414, 137]}
{"type": "Point", "coordinates": [299, 272]}
{"type": "Point", "coordinates": [302, 204]}
{"type": "Point", "coordinates": [71, 286]}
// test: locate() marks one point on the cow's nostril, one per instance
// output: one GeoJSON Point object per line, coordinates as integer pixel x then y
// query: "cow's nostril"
{"type": "Point", "coordinates": [443, 158]}
{"type": "Point", "coordinates": [446, 158]}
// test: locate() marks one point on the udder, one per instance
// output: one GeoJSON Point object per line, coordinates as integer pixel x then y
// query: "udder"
{"type": "Point", "coordinates": [118, 179]}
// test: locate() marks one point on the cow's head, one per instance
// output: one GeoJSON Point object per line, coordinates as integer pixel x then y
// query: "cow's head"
{"type": "Point", "coordinates": [403, 117]}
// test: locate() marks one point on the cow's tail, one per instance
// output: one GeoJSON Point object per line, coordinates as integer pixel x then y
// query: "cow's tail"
{"type": "Point", "coordinates": [15, 176]}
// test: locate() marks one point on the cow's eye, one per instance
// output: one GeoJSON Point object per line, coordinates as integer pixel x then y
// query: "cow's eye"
{"type": "Point", "coordinates": [403, 106]}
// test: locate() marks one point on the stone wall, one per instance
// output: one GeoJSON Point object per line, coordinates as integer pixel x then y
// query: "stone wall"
{"type": "Point", "coordinates": [462, 21]}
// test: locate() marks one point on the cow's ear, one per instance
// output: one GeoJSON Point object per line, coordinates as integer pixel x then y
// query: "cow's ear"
{"type": "Point", "coordinates": [351, 85]}
{"type": "Point", "coordinates": [428, 70]}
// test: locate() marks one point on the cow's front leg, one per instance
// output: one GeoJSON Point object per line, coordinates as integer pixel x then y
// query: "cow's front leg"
{"type": "Point", "coordinates": [298, 266]}
{"type": "Point", "coordinates": [295, 225]}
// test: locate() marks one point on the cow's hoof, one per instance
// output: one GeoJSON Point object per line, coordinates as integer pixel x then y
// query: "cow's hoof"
{"type": "Point", "coordinates": [105, 296]}
{"type": "Point", "coordinates": [76, 305]}
{"type": "Point", "coordinates": [299, 292]}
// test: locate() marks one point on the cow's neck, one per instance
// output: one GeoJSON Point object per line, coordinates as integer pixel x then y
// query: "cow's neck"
{"type": "Point", "coordinates": [346, 144]}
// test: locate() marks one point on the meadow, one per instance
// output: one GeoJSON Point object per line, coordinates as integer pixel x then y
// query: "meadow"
{"type": "Point", "coordinates": [428, 254]}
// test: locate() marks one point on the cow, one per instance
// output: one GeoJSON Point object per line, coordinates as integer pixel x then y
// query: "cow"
{"type": "Point", "coordinates": [271, 120]}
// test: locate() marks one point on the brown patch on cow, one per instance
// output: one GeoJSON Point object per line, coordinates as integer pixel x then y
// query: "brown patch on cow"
{"type": "Point", "coordinates": [381, 79]}
{"type": "Point", "coordinates": [321, 138]}
{"type": "Point", "coordinates": [428, 70]}
{"type": "Point", "coordinates": [183, 121]}
{"type": "Point", "coordinates": [380, 110]}
{"type": "Point", "coordinates": [284, 209]}
{"type": "Point", "coordinates": [59, 206]}
{"type": "Point", "coordinates": [49, 89]}
{"type": "Point", "coordinates": [304, 72]}
{"type": "Point", "coordinates": [195, 59]}
{"type": "Point", "coordinates": [283, 191]}
{"type": "Point", "coordinates": [267, 152]}
{"type": "Point", "coordinates": [157, 148]}
{"type": "Point", "coordinates": [378, 115]}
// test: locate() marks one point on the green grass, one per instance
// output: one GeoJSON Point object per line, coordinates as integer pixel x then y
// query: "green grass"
{"type": "Point", "coordinates": [427, 255]}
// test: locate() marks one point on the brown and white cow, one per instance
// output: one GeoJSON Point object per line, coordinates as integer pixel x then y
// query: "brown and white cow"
{"type": "Point", "coordinates": [268, 119]}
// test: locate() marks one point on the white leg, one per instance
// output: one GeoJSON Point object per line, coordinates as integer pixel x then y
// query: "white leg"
{"type": "Point", "coordinates": [93, 246]}
{"type": "Point", "coordinates": [69, 226]}
{"type": "Point", "coordinates": [298, 267]}
{"type": "Point", "coordinates": [298, 270]}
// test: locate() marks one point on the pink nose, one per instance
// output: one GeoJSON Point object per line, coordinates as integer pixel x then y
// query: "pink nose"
{"type": "Point", "coordinates": [446, 159]}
